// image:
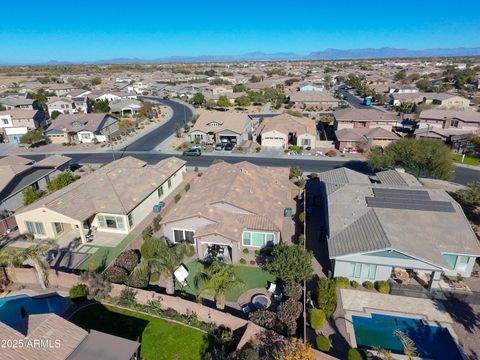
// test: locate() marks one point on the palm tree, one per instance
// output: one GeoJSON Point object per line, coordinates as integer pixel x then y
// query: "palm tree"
{"type": "Point", "coordinates": [33, 255]}
{"type": "Point", "coordinates": [218, 278]}
{"type": "Point", "coordinates": [409, 348]}
{"type": "Point", "coordinates": [9, 259]}
{"type": "Point", "coordinates": [158, 257]}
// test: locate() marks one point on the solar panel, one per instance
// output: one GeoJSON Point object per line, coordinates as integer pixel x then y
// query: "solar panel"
{"type": "Point", "coordinates": [409, 204]}
{"type": "Point", "coordinates": [404, 193]}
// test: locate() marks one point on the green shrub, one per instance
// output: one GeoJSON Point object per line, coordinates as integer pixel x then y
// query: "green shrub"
{"type": "Point", "coordinates": [177, 198]}
{"type": "Point", "coordinates": [78, 292]}
{"type": "Point", "coordinates": [301, 183]}
{"type": "Point", "coordinates": [147, 233]}
{"type": "Point", "coordinates": [187, 187]}
{"type": "Point", "coordinates": [368, 285]}
{"type": "Point", "coordinates": [245, 251]}
{"type": "Point", "coordinates": [116, 274]}
{"type": "Point", "coordinates": [342, 282]}
{"type": "Point", "coordinates": [356, 354]}
{"type": "Point", "coordinates": [323, 343]}
{"type": "Point", "coordinates": [243, 261]}
{"type": "Point", "coordinates": [257, 149]}
{"type": "Point", "coordinates": [128, 260]}
{"type": "Point", "coordinates": [354, 284]}
{"type": "Point", "coordinates": [156, 223]}
{"type": "Point", "coordinates": [257, 252]}
{"type": "Point", "coordinates": [327, 296]}
{"type": "Point", "coordinates": [154, 277]}
{"type": "Point", "coordinates": [301, 240]}
{"type": "Point", "coordinates": [301, 217]}
{"type": "Point", "coordinates": [317, 319]}
{"type": "Point", "coordinates": [382, 287]}
{"type": "Point", "coordinates": [293, 291]}
{"type": "Point", "coordinates": [127, 297]}
{"type": "Point", "coordinates": [313, 175]}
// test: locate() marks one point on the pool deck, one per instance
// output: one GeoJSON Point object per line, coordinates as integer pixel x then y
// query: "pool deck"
{"type": "Point", "coordinates": [365, 303]}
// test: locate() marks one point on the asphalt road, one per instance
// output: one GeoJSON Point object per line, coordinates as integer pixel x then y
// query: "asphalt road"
{"type": "Point", "coordinates": [352, 100]}
{"type": "Point", "coordinates": [462, 175]}
{"type": "Point", "coordinates": [181, 115]}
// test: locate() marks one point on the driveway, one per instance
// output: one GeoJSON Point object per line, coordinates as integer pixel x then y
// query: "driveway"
{"type": "Point", "coordinates": [272, 151]}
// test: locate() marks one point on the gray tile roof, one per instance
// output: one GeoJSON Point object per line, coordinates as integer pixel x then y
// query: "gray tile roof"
{"type": "Point", "coordinates": [391, 177]}
{"type": "Point", "coordinates": [363, 235]}
{"type": "Point", "coordinates": [343, 176]}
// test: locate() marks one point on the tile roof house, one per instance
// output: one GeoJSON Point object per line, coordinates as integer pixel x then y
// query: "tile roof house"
{"type": "Point", "coordinates": [19, 173]}
{"type": "Point", "coordinates": [62, 340]}
{"type": "Point", "coordinates": [84, 128]}
{"type": "Point", "coordinates": [314, 98]}
{"type": "Point", "coordinates": [232, 207]}
{"type": "Point", "coordinates": [374, 228]}
{"type": "Point", "coordinates": [112, 199]}
{"type": "Point", "coordinates": [443, 100]}
{"type": "Point", "coordinates": [363, 118]}
{"type": "Point", "coordinates": [363, 138]}
{"type": "Point", "coordinates": [18, 102]}
{"type": "Point", "coordinates": [445, 124]}
{"type": "Point", "coordinates": [284, 130]}
{"type": "Point", "coordinates": [61, 105]}
{"type": "Point", "coordinates": [125, 107]}
{"type": "Point", "coordinates": [16, 122]}
{"type": "Point", "coordinates": [218, 126]}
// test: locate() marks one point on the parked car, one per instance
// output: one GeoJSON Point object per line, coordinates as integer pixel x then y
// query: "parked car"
{"type": "Point", "coordinates": [219, 146]}
{"type": "Point", "coordinates": [229, 147]}
{"type": "Point", "coordinates": [192, 152]}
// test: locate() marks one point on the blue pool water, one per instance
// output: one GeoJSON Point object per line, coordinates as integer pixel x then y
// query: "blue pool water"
{"type": "Point", "coordinates": [432, 342]}
{"type": "Point", "coordinates": [10, 307]}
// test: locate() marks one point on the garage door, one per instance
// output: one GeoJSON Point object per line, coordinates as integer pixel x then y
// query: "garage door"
{"type": "Point", "coordinates": [232, 139]}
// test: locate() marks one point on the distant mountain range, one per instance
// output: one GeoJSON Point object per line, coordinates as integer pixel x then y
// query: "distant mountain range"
{"type": "Point", "coordinates": [327, 54]}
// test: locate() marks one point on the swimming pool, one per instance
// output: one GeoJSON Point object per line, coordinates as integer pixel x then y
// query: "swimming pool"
{"type": "Point", "coordinates": [433, 342]}
{"type": "Point", "coordinates": [11, 307]}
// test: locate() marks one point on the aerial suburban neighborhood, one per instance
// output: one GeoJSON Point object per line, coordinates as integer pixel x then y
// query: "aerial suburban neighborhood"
{"type": "Point", "coordinates": [278, 205]}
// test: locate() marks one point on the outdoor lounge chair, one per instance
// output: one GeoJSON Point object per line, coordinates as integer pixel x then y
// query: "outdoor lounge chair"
{"type": "Point", "coordinates": [272, 288]}
{"type": "Point", "coordinates": [278, 297]}
{"type": "Point", "coordinates": [246, 309]}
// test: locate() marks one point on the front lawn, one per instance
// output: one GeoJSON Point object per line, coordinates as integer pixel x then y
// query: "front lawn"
{"type": "Point", "coordinates": [469, 160]}
{"type": "Point", "coordinates": [160, 339]}
{"type": "Point", "coordinates": [105, 255]}
{"type": "Point", "coordinates": [252, 277]}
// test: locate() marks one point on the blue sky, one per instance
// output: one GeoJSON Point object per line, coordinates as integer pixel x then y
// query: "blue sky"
{"type": "Point", "coordinates": [37, 31]}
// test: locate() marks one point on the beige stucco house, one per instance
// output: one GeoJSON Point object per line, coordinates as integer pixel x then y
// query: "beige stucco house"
{"type": "Point", "coordinates": [232, 207]}
{"type": "Point", "coordinates": [350, 118]}
{"type": "Point", "coordinates": [114, 198]}
{"type": "Point", "coordinates": [285, 130]}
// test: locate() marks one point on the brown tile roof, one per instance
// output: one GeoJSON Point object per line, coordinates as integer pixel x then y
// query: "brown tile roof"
{"type": "Point", "coordinates": [53, 160]}
{"type": "Point", "coordinates": [286, 123]}
{"type": "Point", "coordinates": [467, 116]}
{"type": "Point", "coordinates": [313, 96]}
{"type": "Point", "coordinates": [20, 113]}
{"type": "Point", "coordinates": [116, 188]}
{"type": "Point", "coordinates": [78, 122]}
{"type": "Point", "coordinates": [353, 114]}
{"type": "Point", "coordinates": [261, 194]}
{"type": "Point", "coordinates": [361, 134]}
{"type": "Point", "coordinates": [235, 122]}
{"type": "Point", "coordinates": [47, 328]}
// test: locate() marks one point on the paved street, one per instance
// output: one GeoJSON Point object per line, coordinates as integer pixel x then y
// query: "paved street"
{"type": "Point", "coordinates": [181, 115]}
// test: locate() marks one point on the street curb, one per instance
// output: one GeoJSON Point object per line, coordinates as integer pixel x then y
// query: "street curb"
{"type": "Point", "coordinates": [471, 167]}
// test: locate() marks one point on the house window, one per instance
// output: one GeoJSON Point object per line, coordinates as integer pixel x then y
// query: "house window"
{"type": "Point", "coordinates": [5, 121]}
{"type": "Point", "coordinates": [372, 271]}
{"type": "Point", "coordinates": [455, 262]}
{"type": "Point", "coordinates": [357, 271]}
{"type": "Point", "coordinates": [85, 136]}
{"type": "Point", "coordinates": [169, 183]}
{"type": "Point", "coordinates": [183, 235]}
{"type": "Point", "coordinates": [130, 220]}
{"type": "Point", "coordinates": [111, 222]}
{"type": "Point", "coordinates": [246, 237]}
{"type": "Point", "coordinates": [454, 123]}
{"type": "Point", "coordinates": [257, 239]}
{"type": "Point", "coordinates": [35, 227]}
{"type": "Point", "coordinates": [160, 191]}
{"type": "Point", "coordinates": [305, 142]}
